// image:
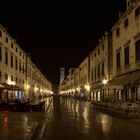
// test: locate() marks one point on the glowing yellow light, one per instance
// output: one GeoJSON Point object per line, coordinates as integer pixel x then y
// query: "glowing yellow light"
{"type": "Point", "coordinates": [87, 87]}
{"type": "Point", "coordinates": [105, 81]}
{"type": "Point", "coordinates": [35, 88]}
{"type": "Point", "coordinates": [78, 89]}
{"type": "Point", "coordinates": [13, 83]}
{"type": "Point", "coordinates": [9, 82]}
{"type": "Point", "coordinates": [27, 86]}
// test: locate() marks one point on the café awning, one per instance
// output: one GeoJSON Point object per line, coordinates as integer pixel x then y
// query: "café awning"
{"type": "Point", "coordinates": [1, 86]}
{"type": "Point", "coordinates": [96, 86]}
{"type": "Point", "coordinates": [119, 82]}
{"type": "Point", "coordinates": [126, 79]}
{"type": "Point", "coordinates": [9, 87]}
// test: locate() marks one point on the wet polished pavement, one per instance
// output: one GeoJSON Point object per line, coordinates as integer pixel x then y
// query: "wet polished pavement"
{"type": "Point", "coordinates": [66, 119]}
{"type": "Point", "coordinates": [75, 120]}
{"type": "Point", "coordinates": [20, 125]}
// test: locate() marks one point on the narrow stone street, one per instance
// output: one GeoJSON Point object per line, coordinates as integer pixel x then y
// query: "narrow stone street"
{"type": "Point", "coordinates": [76, 120]}
{"type": "Point", "coordinates": [21, 125]}
{"type": "Point", "coordinates": [18, 125]}
{"type": "Point", "coordinates": [66, 119]}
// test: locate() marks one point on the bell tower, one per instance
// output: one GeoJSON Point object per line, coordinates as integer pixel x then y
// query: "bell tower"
{"type": "Point", "coordinates": [62, 75]}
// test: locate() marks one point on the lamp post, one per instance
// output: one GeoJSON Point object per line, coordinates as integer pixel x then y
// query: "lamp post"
{"type": "Point", "coordinates": [105, 81]}
{"type": "Point", "coordinates": [26, 88]}
{"type": "Point", "coordinates": [87, 87]}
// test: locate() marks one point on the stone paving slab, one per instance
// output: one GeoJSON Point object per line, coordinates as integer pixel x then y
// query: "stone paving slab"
{"type": "Point", "coordinates": [18, 125]}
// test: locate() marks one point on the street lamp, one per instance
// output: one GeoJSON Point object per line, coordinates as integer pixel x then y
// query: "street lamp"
{"type": "Point", "coordinates": [13, 83]}
{"type": "Point", "coordinates": [28, 86]}
{"type": "Point", "coordinates": [78, 89]}
{"type": "Point", "coordinates": [105, 81]}
{"type": "Point", "coordinates": [9, 82]}
{"type": "Point", "coordinates": [87, 87]}
{"type": "Point", "coordinates": [35, 88]}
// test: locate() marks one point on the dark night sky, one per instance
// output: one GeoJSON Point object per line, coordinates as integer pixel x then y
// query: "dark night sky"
{"type": "Point", "coordinates": [58, 34]}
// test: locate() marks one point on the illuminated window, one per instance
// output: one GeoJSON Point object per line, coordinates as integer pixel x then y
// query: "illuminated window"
{"type": "Point", "coordinates": [138, 93]}
{"type": "Point", "coordinates": [16, 94]}
{"type": "Point", "coordinates": [119, 96]}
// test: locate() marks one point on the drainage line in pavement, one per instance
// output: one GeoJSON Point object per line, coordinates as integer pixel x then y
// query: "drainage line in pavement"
{"type": "Point", "coordinates": [39, 130]}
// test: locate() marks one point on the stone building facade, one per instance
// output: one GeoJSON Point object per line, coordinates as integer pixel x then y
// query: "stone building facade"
{"type": "Point", "coordinates": [112, 69]}
{"type": "Point", "coordinates": [18, 74]}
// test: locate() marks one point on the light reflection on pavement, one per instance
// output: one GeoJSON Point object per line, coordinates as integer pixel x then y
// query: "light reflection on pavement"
{"type": "Point", "coordinates": [76, 120]}
{"type": "Point", "coordinates": [17, 125]}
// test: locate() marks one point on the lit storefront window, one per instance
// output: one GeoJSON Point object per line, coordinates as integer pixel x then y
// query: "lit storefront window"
{"type": "Point", "coordinates": [20, 96]}
{"type": "Point", "coordinates": [138, 93]}
{"type": "Point", "coordinates": [16, 94]}
{"type": "Point", "coordinates": [119, 96]}
{"type": "Point", "coordinates": [98, 96]}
